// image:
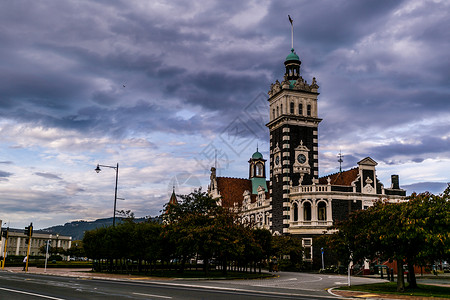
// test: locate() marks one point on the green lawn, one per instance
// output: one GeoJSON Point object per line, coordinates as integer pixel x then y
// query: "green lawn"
{"type": "Point", "coordinates": [391, 288]}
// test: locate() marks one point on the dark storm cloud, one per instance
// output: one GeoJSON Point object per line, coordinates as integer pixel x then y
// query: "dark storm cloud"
{"type": "Point", "coordinates": [48, 175]}
{"type": "Point", "coordinates": [427, 146]}
{"type": "Point", "coordinates": [65, 65]}
{"type": "Point", "coordinates": [5, 174]}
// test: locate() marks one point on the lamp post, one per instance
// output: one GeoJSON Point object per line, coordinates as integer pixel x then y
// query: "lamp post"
{"type": "Point", "coordinates": [57, 240]}
{"type": "Point", "coordinates": [115, 190]}
{"type": "Point", "coordinates": [46, 252]}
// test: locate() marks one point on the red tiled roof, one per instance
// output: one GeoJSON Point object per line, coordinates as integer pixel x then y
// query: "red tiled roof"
{"type": "Point", "coordinates": [341, 178]}
{"type": "Point", "coordinates": [232, 190]}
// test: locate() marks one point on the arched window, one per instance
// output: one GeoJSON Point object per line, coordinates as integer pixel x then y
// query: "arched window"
{"type": "Point", "coordinates": [308, 110]}
{"type": "Point", "coordinates": [322, 211]}
{"type": "Point", "coordinates": [300, 109]}
{"type": "Point", "coordinates": [295, 209]}
{"type": "Point", "coordinates": [259, 169]}
{"type": "Point", "coordinates": [307, 211]}
{"type": "Point", "coordinates": [292, 107]}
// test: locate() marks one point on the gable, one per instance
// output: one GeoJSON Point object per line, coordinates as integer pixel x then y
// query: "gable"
{"type": "Point", "coordinates": [367, 162]}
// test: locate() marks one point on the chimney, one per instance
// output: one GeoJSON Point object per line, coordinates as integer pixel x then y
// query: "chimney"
{"type": "Point", "coordinates": [395, 182]}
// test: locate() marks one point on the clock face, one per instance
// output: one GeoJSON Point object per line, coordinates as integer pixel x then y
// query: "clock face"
{"type": "Point", "coordinates": [277, 160]}
{"type": "Point", "coordinates": [301, 158]}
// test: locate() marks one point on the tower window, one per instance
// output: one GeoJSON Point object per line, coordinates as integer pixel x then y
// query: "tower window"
{"type": "Point", "coordinates": [281, 108]}
{"type": "Point", "coordinates": [322, 211]}
{"type": "Point", "coordinates": [307, 211]}
{"type": "Point", "coordinates": [295, 209]}
{"type": "Point", "coordinates": [259, 170]}
{"type": "Point", "coordinates": [292, 107]}
{"type": "Point", "coordinates": [273, 113]}
{"type": "Point", "coordinates": [300, 109]}
{"type": "Point", "coordinates": [308, 110]}
{"type": "Point", "coordinates": [278, 112]}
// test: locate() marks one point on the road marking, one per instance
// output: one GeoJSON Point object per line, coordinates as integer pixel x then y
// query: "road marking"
{"type": "Point", "coordinates": [31, 294]}
{"type": "Point", "coordinates": [150, 295]}
{"type": "Point", "coordinates": [223, 289]}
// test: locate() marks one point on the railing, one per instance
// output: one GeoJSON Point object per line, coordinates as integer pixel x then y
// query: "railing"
{"type": "Point", "coordinates": [311, 188]}
{"type": "Point", "coordinates": [311, 223]}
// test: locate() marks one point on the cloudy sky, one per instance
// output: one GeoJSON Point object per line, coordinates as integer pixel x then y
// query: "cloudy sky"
{"type": "Point", "coordinates": [160, 86]}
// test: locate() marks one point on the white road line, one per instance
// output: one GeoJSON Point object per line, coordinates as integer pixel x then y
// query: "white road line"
{"type": "Point", "coordinates": [31, 294]}
{"type": "Point", "coordinates": [330, 291]}
{"type": "Point", "coordinates": [150, 295]}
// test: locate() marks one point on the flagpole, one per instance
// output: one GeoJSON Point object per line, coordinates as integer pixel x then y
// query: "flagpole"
{"type": "Point", "coordinates": [292, 35]}
{"type": "Point", "coordinates": [292, 31]}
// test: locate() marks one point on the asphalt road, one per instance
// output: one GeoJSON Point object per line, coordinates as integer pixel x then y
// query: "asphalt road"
{"type": "Point", "coordinates": [15, 284]}
{"type": "Point", "coordinates": [34, 286]}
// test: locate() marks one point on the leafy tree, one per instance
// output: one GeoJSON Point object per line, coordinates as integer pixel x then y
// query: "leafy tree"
{"type": "Point", "coordinates": [289, 250]}
{"type": "Point", "coordinates": [416, 231]}
{"type": "Point", "coordinates": [76, 249]}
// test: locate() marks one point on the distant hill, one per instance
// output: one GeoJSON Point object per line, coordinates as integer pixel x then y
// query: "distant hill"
{"type": "Point", "coordinates": [420, 187]}
{"type": "Point", "coordinates": [76, 229]}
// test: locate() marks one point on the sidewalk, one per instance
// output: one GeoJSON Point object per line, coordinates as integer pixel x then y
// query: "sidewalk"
{"type": "Point", "coordinates": [363, 295]}
{"type": "Point", "coordinates": [81, 273]}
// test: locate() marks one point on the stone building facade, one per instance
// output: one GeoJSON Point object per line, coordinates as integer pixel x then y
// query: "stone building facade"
{"type": "Point", "coordinates": [17, 245]}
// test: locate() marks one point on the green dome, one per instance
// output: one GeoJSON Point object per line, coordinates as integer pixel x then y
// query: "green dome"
{"type": "Point", "coordinates": [257, 155]}
{"type": "Point", "coordinates": [292, 56]}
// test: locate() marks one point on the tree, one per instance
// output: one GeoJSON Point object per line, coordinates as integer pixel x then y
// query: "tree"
{"type": "Point", "coordinates": [76, 249]}
{"type": "Point", "coordinates": [290, 252]}
{"type": "Point", "coordinates": [416, 231]}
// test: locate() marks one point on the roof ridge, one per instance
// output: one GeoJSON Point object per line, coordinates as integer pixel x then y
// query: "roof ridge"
{"type": "Point", "coordinates": [338, 172]}
{"type": "Point", "coordinates": [232, 177]}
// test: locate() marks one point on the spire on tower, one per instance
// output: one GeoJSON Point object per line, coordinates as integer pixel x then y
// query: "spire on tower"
{"type": "Point", "coordinates": [340, 160]}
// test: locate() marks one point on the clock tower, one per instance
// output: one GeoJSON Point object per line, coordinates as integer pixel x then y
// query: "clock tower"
{"type": "Point", "coordinates": [293, 138]}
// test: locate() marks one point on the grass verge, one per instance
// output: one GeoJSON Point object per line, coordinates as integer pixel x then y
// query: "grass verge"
{"type": "Point", "coordinates": [391, 288]}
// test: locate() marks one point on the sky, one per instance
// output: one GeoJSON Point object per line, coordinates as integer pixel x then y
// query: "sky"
{"type": "Point", "coordinates": [167, 89]}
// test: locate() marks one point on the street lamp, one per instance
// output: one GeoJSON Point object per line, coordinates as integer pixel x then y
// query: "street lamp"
{"type": "Point", "coordinates": [46, 251]}
{"type": "Point", "coordinates": [115, 191]}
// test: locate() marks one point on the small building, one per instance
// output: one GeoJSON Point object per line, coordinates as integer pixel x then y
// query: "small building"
{"type": "Point", "coordinates": [17, 242]}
